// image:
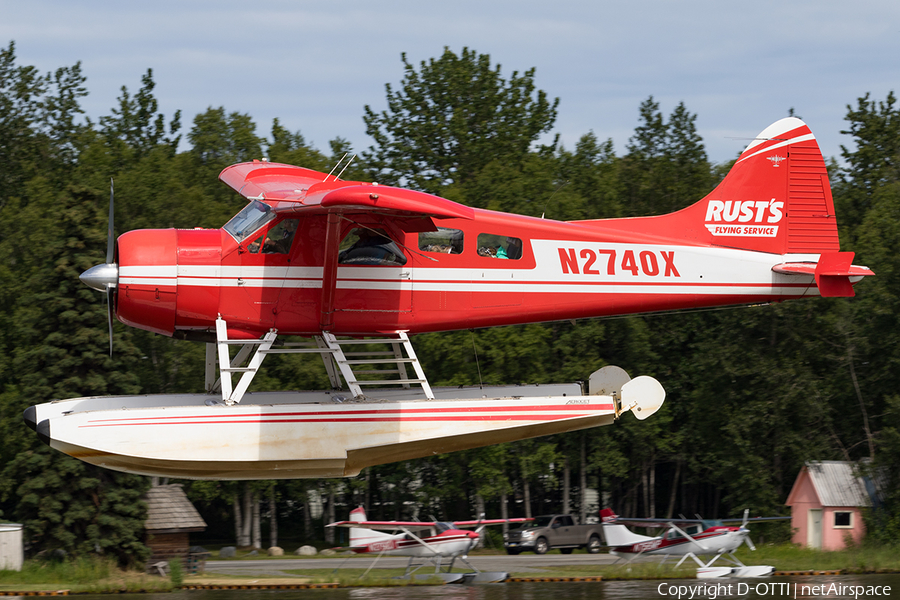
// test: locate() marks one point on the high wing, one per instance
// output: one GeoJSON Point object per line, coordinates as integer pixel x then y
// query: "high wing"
{"type": "Point", "coordinates": [464, 524]}
{"type": "Point", "coordinates": [755, 519]}
{"type": "Point", "coordinates": [387, 525]}
{"type": "Point", "coordinates": [298, 190]}
{"type": "Point", "coordinates": [655, 523]}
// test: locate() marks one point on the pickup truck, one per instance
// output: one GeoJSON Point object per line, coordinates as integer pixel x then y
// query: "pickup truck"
{"type": "Point", "coordinates": [553, 531]}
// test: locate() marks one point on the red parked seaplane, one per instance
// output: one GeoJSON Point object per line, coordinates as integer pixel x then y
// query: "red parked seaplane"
{"type": "Point", "coordinates": [424, 542]}
{"type": "Point", "coordinates": [340, 261]}
{"type": "Point", "coordinates": [687, 538]}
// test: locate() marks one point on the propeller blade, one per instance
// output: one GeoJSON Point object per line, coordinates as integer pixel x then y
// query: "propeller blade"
{"type": "Point", "coordinates": [746, 517]}
{"type": "Point", "coordinates": [109, 316]}
{"type": "Point", "coordinates": [749, 543]}
{"type": "Point", "coordinates": [110, 239]}
{"type": "Point", "coordinates": [110, 252]}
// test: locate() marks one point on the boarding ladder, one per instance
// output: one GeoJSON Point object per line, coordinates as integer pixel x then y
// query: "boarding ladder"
{"type": "Point", "coordinates": [339, 362]}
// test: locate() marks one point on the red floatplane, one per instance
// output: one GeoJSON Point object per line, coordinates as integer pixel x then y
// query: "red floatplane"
{"type": "Point", "coordinates": [350, 265]}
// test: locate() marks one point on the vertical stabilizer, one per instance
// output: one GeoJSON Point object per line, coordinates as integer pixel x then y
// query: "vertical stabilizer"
{"type": "Point", "coordinates": [360, 536]}
{"type": "Point", "coordinates": [777, 197]}
{"type": "Point", "coordinates": [618, 535]}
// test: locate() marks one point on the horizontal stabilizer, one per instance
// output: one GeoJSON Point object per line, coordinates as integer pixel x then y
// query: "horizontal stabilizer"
{"type": "Point", "coordinates": [833, 273]}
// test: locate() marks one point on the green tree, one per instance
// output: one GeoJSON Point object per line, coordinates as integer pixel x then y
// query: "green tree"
{"type": "Point", "coordinates": [665, 167]}
{"type": "Point", "coordinates": [59, 349]}
{"type": "Point", "coordinates": [875, 160]}
{"type": "Point", "coordinates": [453, 116]}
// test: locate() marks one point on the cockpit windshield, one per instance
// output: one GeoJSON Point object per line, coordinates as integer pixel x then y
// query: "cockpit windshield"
{"type": "Point", "coordinates": [255, 215]}
{"type": "Point", "coordinates": [443, 526]}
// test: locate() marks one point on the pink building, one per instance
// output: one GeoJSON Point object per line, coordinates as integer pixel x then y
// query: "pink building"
{"type": "Point", "coordinates": [826, 503]}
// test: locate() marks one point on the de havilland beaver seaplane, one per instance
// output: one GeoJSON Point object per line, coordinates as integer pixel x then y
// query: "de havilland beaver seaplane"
{"type": "Point", "coordinates": [349, 264]}
{"type": "Point", "coordinates": [424, 542]}
{"type": "Point", "coordinates": [687, 538]}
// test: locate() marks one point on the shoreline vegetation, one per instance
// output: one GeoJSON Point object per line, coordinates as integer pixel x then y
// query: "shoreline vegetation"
{"type": "Point", "coordinates": [98, 575]}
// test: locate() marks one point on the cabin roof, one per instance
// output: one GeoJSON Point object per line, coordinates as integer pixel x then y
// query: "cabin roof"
{"type": "Point", "coordinates": [838, 483]}
{"type": "Point", "coordinates": [170, 511]}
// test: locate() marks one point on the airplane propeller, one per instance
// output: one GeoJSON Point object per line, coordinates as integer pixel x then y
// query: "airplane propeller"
{"type": "Point", "coordinates": [105, 277]}
{"type": "Point", "coordinates": [746, 531]}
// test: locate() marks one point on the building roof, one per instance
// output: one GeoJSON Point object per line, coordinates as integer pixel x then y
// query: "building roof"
{"type": "Point", "coordinates": [838, 483]}
{"type": "Point", "coordinates": [170, 511]}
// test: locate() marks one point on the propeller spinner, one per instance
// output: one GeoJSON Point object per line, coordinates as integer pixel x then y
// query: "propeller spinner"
{"type": "Point", "coordinates": [105, 277]}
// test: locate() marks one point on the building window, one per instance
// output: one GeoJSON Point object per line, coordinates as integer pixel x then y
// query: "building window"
{"type": "Point", "coordinates": [843, 519]}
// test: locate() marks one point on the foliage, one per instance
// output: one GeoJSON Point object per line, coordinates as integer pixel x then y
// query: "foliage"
{"type": "Point", "coordinates": [752, 393]}
{"type": "Point", "coordinates": [451, 117]}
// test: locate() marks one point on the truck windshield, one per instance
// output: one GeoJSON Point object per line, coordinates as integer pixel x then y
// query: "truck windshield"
{"type": "Point", "coordinates": [255, 215]}
{"type": "Point", "coordinates": [538, 522]}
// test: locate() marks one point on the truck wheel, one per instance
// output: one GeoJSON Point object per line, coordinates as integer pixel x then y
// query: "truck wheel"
{"type": "Point", "coordinates": [512, 551]}
{"type": "Point", "coordinates": [593, 545]}
{"type": "Point", "coordinates": [566, 550]}
{"type": "Point", "coordinates": [541, 546]}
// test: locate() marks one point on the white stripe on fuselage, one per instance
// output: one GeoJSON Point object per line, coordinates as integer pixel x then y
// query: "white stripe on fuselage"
{"type": "Point", "coordinates": [683, 270]}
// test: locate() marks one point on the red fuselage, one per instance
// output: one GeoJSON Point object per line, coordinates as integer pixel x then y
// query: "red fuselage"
{"type": "Point", "coordinates": [183, 279]}
{"type": "Point", "coordinates": [311, 253]}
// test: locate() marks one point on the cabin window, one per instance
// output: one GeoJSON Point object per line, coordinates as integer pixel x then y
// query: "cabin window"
{"type": "Point", "coordinates": [443, 241]}
{"type": "Point", "coordinates": [245, 223]}
{"type": "Point", "coordinates": [277, 240]}
{"type": "Point", "coordinates": [843, 519]}
{"type": "Point", "coordinates": [499, 246]}
{"type": "Point", "coordinates": [365, 246]}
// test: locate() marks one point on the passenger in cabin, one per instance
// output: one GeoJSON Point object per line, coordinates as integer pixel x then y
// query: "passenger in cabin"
{"type": "Point", "coordinates": [373, 247]}
{"type": "Point", "coordinates": [513, 249]}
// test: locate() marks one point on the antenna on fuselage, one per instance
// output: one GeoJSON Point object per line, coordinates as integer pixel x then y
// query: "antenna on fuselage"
{"type": "Point", "coordinates": [345, 166]}
{"type": "Point", "coordinates": [339, 163]}
{"type": "Point", "coordinates": [561, 186]}
{"type": "Point", "coordinates": [334, 168]}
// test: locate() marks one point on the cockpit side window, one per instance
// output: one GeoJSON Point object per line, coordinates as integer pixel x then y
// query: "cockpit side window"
{"type": "Point", "coordinates": [364, 246]}
{"type": "Point", "coordinates": [443, 241]}
{"type": "Point", "coordinates": [277, 240]}
{"type": "Point", "coordinates": [249, 220]}
{"type": "Point", "coordinates": [499, 246]}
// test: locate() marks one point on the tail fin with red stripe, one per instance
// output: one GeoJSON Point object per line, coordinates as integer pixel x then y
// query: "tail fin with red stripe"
{"type": "Point", "coordinates": [775, 199]}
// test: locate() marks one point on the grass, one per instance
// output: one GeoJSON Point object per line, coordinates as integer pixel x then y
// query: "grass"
{"type": "Point", "coordinates": [98, 575]}
{"type": "Point", "coordinates": [856, 559]}
{"type": "Point", "coordinates": [80, 575]}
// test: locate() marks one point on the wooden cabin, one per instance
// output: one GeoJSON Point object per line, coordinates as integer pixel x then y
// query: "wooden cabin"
{"type": "Point", "coordinates": [171, 518]}
{"type": "Point", "coordinates": [826, 505]}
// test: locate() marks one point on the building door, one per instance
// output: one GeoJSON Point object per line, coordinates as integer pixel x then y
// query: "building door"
{"type": "Point", "coordinates": [814, 528]}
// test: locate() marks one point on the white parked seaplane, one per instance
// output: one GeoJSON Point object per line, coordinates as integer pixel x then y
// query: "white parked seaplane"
{"type": "Point", "coordinates": [424, 542]}
{"type": "Point", "coordinates": [687, 538]}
